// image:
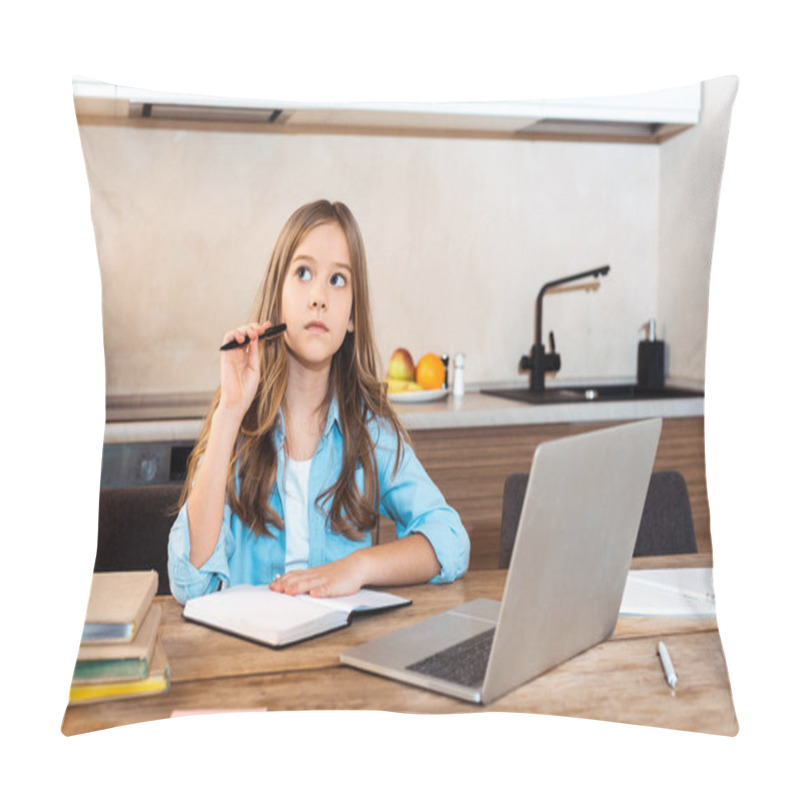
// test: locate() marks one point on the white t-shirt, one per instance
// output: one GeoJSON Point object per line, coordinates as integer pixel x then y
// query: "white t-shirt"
{"type": "Point", "coordinates": [296, 511]}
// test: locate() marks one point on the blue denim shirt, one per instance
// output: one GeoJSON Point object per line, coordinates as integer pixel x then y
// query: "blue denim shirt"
{"type": "Point", "coordinates": [408, 497]}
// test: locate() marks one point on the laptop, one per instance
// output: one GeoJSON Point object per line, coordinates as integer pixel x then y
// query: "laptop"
{"type": "Point", "coordinates": [572, 552]}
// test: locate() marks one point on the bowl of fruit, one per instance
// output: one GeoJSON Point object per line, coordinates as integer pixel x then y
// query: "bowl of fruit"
{"type": "Point", "coordinates": [422, 382]}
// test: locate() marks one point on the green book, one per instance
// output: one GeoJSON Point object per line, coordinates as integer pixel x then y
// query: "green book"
{"type": "Point", "coordinates": [156, 682]}
{"type": "Point", "coordinates": [119, 661]}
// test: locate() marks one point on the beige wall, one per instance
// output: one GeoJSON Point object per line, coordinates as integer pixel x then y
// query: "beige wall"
{"type": "Point", "coordinates": [460, 235]}
{"type": "Point", "coordinates": [690, 179]}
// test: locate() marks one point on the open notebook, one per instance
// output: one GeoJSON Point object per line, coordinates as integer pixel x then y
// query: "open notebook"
{"type": "Point", "coordinates": [276, 619]}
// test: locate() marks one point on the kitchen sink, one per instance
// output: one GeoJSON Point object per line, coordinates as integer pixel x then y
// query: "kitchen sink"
{"type": "Point", "coordinates": [592, 394]}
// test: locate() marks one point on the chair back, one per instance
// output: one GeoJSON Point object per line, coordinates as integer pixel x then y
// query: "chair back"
{"type": "Point", "coordinates": [133, 528]}
{"type": "Point", "coordinates": [513, 496]}
{"type": "Point", "coordinates": [666, 527]}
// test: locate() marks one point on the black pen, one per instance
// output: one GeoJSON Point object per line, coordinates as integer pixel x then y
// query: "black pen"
{"type": "Point", "coordinates": [268, 333]}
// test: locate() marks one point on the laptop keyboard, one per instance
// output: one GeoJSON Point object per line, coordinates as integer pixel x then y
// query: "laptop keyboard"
{"type": "Point", "coordinates": [464, 663]}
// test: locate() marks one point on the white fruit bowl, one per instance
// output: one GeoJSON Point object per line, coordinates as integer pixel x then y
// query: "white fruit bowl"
{"type": "Point", "coordinates": [424, 396]}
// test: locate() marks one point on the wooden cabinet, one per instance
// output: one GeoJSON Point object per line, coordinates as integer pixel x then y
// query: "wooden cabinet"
{"type": "Point", "coordinates": [470, 466]}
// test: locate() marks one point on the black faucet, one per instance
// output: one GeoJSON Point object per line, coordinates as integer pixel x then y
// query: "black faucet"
{"type": "Point", "coordinates": [539, 362]}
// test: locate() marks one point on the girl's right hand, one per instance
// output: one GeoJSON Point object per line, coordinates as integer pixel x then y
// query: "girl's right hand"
{"type": "Point", "coordinates": [240, 369]}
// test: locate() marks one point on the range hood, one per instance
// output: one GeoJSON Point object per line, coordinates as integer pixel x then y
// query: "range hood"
{"type": "Point", "coordinates": [650, 117]}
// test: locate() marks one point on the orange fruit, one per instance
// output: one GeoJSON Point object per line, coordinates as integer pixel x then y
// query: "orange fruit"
{"type": "Point", "coordinates": [430, 372]}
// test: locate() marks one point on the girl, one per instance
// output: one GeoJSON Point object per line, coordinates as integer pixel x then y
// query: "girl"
{"type": "Point", "coordinates": [301, 449]}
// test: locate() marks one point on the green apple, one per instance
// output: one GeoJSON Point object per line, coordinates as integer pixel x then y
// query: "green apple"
{"type": "Point", "coordinates": [401, 365]}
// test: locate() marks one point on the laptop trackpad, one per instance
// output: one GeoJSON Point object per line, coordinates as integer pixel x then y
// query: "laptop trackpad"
{"type": "Point", "coordinates": [413, 643]}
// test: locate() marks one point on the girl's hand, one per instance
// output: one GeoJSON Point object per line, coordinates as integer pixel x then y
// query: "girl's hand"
{"type": "Point", "coordinates": [240, 368]}
{"type": "Point", "coordinates": [335, 579]}
{"type": "Point", "coordinates": [411, 559]}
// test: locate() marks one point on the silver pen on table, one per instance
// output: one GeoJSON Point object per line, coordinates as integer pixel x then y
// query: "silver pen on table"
{"type": "Point", "coordinates": [666, 663]}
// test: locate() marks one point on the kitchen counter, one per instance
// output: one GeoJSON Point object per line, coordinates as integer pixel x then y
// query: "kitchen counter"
{"type": "Point", "coordinates": [468, 446]}
{"type": "Point", "coordinates": [182, 422]}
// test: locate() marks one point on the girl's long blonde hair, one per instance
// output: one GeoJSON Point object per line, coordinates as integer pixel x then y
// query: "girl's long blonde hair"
{"type": "Point", "coordinates": [353, 381]}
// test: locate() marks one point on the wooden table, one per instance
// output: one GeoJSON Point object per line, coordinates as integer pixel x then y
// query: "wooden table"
{"type": "Point", "coordinates": [620, 680]}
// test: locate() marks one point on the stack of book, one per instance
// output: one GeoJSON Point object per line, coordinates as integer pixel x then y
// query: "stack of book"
{"type": "Point", "coordinates": [120, 653]}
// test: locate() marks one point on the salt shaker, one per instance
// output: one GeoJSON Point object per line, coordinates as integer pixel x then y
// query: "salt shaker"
{"type": "Point", "coordinates": [458, 375]}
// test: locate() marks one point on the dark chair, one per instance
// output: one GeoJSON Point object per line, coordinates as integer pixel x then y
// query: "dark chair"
{"type": "Point", "coordinates": [133, 527]}
{"type": "Point", "coordinates": [666, 527]}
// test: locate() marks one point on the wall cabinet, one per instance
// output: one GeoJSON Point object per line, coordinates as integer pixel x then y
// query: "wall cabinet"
{"type": "Point", "coordinates": [645, 117]}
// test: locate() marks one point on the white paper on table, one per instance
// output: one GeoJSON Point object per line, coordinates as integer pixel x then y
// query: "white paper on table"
{"type": "Point", "coordinates": [669, 592]}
